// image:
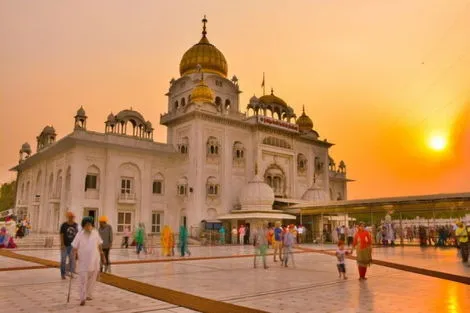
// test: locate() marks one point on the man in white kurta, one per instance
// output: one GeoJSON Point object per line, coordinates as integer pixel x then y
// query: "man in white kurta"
{"type": "Point", "coordinates": [87, 246]}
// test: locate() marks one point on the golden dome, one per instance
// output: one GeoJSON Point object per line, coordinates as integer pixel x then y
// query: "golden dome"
{"type": "Point", "coordinates": [272, 99]}
{"type": "Point", "coordinates": [305, 123]}
{"type": "Point", "coordinates": [205, 54]}
{"type": "Point", "coordinates": [202, 93]}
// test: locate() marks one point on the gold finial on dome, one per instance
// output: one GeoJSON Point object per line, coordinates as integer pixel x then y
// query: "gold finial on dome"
{"type": "Point", "coordinates": [205, 54]}
{"type": "Point", "coordinates": [204, 22]}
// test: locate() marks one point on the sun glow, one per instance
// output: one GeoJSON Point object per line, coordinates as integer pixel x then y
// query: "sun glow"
{"type": "Point", "coordinates": [437, 142]}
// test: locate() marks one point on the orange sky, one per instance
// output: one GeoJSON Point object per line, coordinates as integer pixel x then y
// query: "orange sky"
{"type": "Point", "coordinates": [376, 77]}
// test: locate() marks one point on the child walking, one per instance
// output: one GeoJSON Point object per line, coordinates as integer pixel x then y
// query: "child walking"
{"type": "Point", "coordinates": [340, 255]}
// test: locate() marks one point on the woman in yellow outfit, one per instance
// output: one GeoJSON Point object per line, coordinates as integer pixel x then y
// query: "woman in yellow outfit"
{"type": "Point", "coordinates": [166, 241]}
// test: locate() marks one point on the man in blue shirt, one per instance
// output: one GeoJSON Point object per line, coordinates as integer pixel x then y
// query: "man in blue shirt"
{"type": "Point", "coordinates": [277, 241]}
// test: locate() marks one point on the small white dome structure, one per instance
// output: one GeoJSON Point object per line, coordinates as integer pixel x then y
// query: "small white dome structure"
{"type": "Point", "coordinates": [315, 194]}
{"type": "Point", "coordinates": [256, 195]}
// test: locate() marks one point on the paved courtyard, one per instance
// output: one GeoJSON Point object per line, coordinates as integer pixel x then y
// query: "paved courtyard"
{"type": "Point", "coordinates": [226, 274]}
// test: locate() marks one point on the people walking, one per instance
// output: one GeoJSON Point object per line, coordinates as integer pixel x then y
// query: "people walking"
{"type": "Point", "coordinates": [260, 238]}
{"type": "Point", "coordinates": [234, 235]}
{"type": "Point", "coordinates": [288, 241]}
{"type": "Point", "coordinates": [183, 237]}
{"type": "Point", "coordinates": [351, 232]}
{"type": "Point", "coordinates": [166, 241]}
{"type": "Point", "coordinates": [241, 234]}
{"type": "Point", "coordinates": [340, 256]}
{"type": "Point", "coordinates": [461, 235]}
{"type": "Point", "coordinates": [222, 235]}
{"type": "Point", "coordinates": [125, 238]}
{"type": "Point", "coordinates": [87, 249]}
{"type": "Point", "coordinates": [68, 231]}
{"type": "Point", "coordinates": [106, 233]}
{"type": "Point", "coordinates": [139, 238]}
{"type": "Point", "coordinates": [277, 241]}
{"type": "Point", "coordinates": [363, 245]}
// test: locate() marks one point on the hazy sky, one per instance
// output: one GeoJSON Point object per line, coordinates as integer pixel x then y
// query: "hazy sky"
{"type": "Point", "coordinates": [377, 77]}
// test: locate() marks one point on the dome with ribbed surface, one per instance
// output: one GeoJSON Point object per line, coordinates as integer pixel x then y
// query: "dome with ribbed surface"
{"type": "Point", "coordinates": [81, 112]}
{"type": "Point", "coordinates": [202, 93]}
{"type": "Point", "coordinates": [256, 195]}
{"type": "Point", "coordinates": [272, 99]}
{"type": "Point", "coordinates": [204, 54]}
{"type": "Point", "coordinates": [305, 123]}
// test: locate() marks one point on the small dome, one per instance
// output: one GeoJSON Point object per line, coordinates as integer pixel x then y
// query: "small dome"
{"type": "Point", "coordinates": [81, 112]}
{"type": "Point", "coordinates": [202, 93]}
{"type": "Point", "coordinates": [305, 123]}
{"type": "Point", "coordinates": [148, 124]}
{"type": "Point", "coordinates": [272, 99]}
{"type": "Point", "coordinates": [206, 55]}
{"type": "Point", "coordinates": [253, 99]}
{"type": "Point", "coordinates": [26, 148]}
{"type": "Point", "coordinates": [315, 194]}
{"type": "Point", "coordinates": [256, 195]}
{"type": "Point", "coordinates": [48, 130]}
{"type": "Point", "coordinates": [129, 114]}
{"type": "Point", "coordinates": [111, 117]}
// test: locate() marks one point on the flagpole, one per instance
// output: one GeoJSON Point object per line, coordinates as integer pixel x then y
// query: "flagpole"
{"type": "Point", "coordinates": [264, 86]}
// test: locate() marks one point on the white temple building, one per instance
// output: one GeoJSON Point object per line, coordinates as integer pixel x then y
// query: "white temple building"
{"type": "Point", "coordinates": [214, 143]}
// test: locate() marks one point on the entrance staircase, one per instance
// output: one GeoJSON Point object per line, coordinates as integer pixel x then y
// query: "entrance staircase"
{"type": "Point", "coordinates": [37, 241]}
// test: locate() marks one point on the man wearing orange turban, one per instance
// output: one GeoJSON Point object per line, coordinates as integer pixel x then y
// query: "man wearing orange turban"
{"type": "Point", "coordinates": [106, 233]}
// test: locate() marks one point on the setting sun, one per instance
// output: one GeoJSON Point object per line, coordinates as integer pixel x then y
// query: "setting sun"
{"type": "Point", "coordinates": [437, 142]}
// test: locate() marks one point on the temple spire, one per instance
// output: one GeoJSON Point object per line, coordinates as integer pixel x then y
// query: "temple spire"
{"type": "Point", "coordinates": [303, 108]}
{"type": "Point", "coordinates": [204, 22]}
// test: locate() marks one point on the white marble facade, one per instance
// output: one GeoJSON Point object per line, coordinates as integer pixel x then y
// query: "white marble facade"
{"type": "Point", "coordinates": [213, 145]}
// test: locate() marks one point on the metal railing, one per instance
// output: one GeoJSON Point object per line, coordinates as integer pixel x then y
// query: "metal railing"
{"type": "Point", "coordinates": [127, 196]}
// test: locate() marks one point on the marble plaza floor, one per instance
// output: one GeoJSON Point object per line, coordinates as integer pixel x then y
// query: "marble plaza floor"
{"type": "Point", "coordinates": [226, 274]}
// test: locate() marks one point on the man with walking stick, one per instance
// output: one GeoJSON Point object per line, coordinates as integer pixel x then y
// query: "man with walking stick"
{"type": "Point", "coordinates": [87, 248]}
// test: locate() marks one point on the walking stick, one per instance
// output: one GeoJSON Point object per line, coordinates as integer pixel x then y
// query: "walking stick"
{"type": "Point", "coordinates": [70, 287]}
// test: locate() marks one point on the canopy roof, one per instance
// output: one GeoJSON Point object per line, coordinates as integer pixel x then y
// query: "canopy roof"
{"type": "Point", "coordinates": [457, 201]}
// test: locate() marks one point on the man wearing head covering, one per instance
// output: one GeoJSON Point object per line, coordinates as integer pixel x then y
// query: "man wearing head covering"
{"type": "Point", "coordinates": [106, 233]}
{"type": "Point", "coordinates": [288, 241]}
{"type": "Point", "coordinates": [277, 241]}
{"type": "Point", "coordinates": [87, 248]}
{"type": "Point", "coordinates": [68, 231]}
{"type": "Point", "coordinates": [461, 234]}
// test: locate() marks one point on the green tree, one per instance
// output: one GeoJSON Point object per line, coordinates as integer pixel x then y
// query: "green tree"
{"type": "Point", "coordinates": [7, 195]}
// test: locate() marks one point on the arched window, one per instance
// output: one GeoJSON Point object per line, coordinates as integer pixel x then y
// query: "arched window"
{"type": "Point", "coordinates": [184, 145]}
{"type": "Point", "coordinates": [183, 102]}
{"type": "Point", "coordinates": [212, 147]}
{"type": "Point", "coordinates": [212, 187]}
{"type": "Point", "coordinates": [301, 163]}
{"type": "Point", "coordinates": [182, 186]}
{"type": "Point", "coordinates": [50, 186]}
{"type": "Point", "coordinates": [157, 184]}
{"type": "Point", "coordinates": [92, 178]}
{"type": "Point", "coordinates": [274, 176]}
{"type": "Point", "coordinates": [218, 101]}
{"type": "Point", "coordinates": [58, 185]}
{"type": "Point", "coordinates": [238, 151]}
{"type": "Point", "coordinates": [175, 105]}
{"type": "Point", "coordinates": [227, 104]}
